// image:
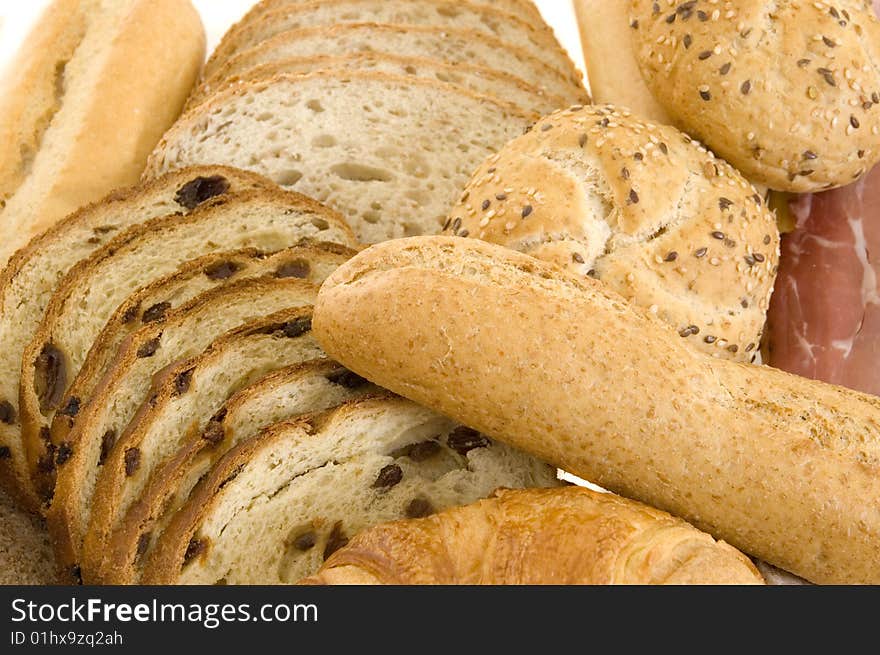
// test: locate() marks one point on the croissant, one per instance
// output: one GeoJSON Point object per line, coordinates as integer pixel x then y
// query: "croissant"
{"type": "Point", "coordinates": [567, 536]}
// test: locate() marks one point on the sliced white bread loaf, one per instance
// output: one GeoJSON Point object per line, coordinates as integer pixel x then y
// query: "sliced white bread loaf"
{"type": "Point", "coordinates": [479, 79]}
{"type": "Point", "coordinates": [537, 39]}
{"type": "Point", "coordinates": [90, 293]}
{"type": "Point", "coordinates": [309, 262]}
{"type": "Point", "coordinates": [27, 282]}
{"type": "Point", "coordinates": [182, 401]}
{"type": "Point", "coordinates": [391, 153]}
{"type": "Point", "coordinates": [280, 396]}
{"type": "Point", "coordinates": [452, 45]}
{"type": "Point", "coordinates": [182, 334]}
{"type": "Point", "coordinates": [275, 507]}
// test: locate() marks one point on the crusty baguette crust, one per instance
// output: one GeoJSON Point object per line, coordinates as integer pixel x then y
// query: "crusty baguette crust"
{"type": "Point", "coordinates": [121, 90]}
{"type": "Point", "coordinates": [30, 276]}
{"type": "Point", "coordinates": [612, 69]}
{"type": "Point", "coordinates": [783, 468]}
{"type": "Point", "coordinates": [462, 74]}
{"type": "Point", "coordinates": [569, 536]}
{"type": "Point", "coordinates": [167, 490]}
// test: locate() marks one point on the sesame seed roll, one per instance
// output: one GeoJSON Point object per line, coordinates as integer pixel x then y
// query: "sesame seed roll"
{"type": "Point", "coordinates": [786, 91]}
{"type": "Point", "coordinates": [642, 207]}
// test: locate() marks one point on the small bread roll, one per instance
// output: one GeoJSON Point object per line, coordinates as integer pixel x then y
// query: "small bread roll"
{"type": "Point", "coordinates": [787, 92]}
{"type": "Point", "coordinates": [642, 207]}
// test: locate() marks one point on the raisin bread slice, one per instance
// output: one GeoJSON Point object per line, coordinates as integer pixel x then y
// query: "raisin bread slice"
{"type": "Point", "coordinates": [182, 400]}
{"type": "Point", "coordinates": [182, 334]}
{"type": "Point", "coordinates": [391, 153]}
{"type": "Point", "coordinates": [274, 507]}
{"type": "Point", "coordinates": [311, 387]}
{"type": "Point", "coordinates": [310, 262]}
{"type": "Point", "coordinates": [539, 40]}
{"type": "Point", "coordinates": [30, 277]}
{"type": "Point", "coordinates": [89, 294]}
{"type": "Point", "coordinates": [478, 79]}
{"type": "Point", "coordinates": [452, 45]}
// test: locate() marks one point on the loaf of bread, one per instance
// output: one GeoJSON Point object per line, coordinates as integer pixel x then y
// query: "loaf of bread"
{"type": "Point", "coordinates": [85, 101]}
{"type": "Point", "coordinates": [612, 68]}
{"type": "Point", "coordinates": [95, 443]}
{"type": "Point", "coordinates": [90, 293]}
{"type": "Point", "coordinates": [536, 37]}
{"type": "Point", "coordinates": [276, 506]}
{"type": "Point", "coordinates": [182, 400]}
{"type": "Point", "coordinates": [27, 282]}
{"type": "Point", "coordinates": [783, 468]}
{"type": "Point", "coordinates": [312, 263]}
{"type": "Point", "coordinates": [570, 536]}
{"type": "Point", "coordinates": [281, 396]}
{"type": "Point", "coordinates": [479, 79]}
{"type": "Point", "coordinates": [451, 45]}
{"type": "Point", "coordinates": [389, 152]}
{"type": "Point", "coordinates": [641, 207]}
{"type": "Point", "coordinates": [722, 72]}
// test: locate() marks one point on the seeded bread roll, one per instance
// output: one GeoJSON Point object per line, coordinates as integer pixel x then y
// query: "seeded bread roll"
{"type": "Point", "coordinates": [536, 38]}
{"type": "Point", "coordinates": [312, 263]}
{"type": "Point", "coordinates": [94, 440]}
{"type": "Point", "coordinates": [789, 93]}
{"type": "Point", "coordinates": [281, 396]}
{"type": "Point", "coordinates": [641, 207]}
{"type": "Point", "coordinates": [478, 79]}
{"type": "Point", "coordinates": [567, 536]}
{"type": "Point", "coordinates": [784, 468]}
{"type": "Point", "coordinates": [276, 506]}
{"type": "Point", "coordinates": [31, 276]}
{"type": "Point", "coordinates": [90, 93]}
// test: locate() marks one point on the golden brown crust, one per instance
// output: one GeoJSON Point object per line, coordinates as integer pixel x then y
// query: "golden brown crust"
{"type": "Point", "coordinates": [569, 536]}
{"type": "Point", "coordinates": [781, 467]}
{"type": "Point", "coordinates": [785, 91]}
{"type": "Point", "coordinates": [118, 95]}
{"type": "Point", "coordinates": [641, 207]}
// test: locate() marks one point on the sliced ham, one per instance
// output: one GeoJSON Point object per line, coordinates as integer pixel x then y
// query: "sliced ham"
{"type": "Point", "coordinates": [824, 321]}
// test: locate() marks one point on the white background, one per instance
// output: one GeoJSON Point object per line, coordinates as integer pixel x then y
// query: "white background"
{"type": "Point", "coordinates": [17, 17]}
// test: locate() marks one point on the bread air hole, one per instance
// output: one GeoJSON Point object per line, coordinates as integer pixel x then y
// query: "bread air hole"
{"type": "Point", "coordinates": [287, 177]}
{"type": "Point", "coordinates": [324, 141]}
{"type": "Point", "coordinates": [353, 172]}
{"type": "Point", "coordinates": [315, 106]}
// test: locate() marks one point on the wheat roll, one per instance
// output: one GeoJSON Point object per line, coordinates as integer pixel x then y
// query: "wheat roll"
{"type": "Point", "coordinates": [787, 92]}
{"type": "Point", "coordinates": [642, 207]}
{"type": "Point", "coordinates": [781, 467]}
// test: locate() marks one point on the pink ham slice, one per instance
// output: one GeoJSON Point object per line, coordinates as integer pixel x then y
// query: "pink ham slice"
{"type": "Point", "coordinates": [824, 321]}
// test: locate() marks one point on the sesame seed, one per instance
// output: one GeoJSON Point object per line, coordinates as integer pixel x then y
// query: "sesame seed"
{"type": "Point", "coordinates": [456, 225]}
{"type": "Point", "coordinates": [463, 234]}
{"type": "Point", "coordinates": [724, 70]}
{"type": "Point", "coordinates": [704, 55]}
{"type": "Point", "coordinates": [578, 258]}
{"type": "Point", "coordinates": [671, 257]}
{"type": "Point", "coordinates": [854, 122]}
{"type": "Point", "coordinates": [633, 197]}
{"type": "Point", "coordinates": [704, 94]}
{"type": "Point", "coordinates": [486, 204]}
{"type": "Point", "coordinates": [699, 254]}
{"type": "Point", "coordinates": [710, 339]}
{"type": "Point", "coordinates": [527, 211]}
{"type": "Point", "coordinates": [718, 235]}
{"type": "Point", "coordinates": [829, 42]}
{"type": "Point", "coordinates": [746, 87]}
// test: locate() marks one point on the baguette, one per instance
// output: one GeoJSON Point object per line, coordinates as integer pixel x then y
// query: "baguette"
{"type": "Point", "coordinates": [281, 396]}
{"type": "Point", "coordinates": [88, 96]}
{"type": "Point", "coordinates": [27, 282]}
{"type": "Point", "coordinates": [567, 536]}
{"type": "Point", "coordinates": [783, 468]}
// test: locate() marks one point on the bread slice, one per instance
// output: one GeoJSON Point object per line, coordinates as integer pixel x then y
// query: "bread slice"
{"type": "Point", "coordinates": [94, 288]}
{"type": "Point", "coordinates": [391, 153]}
{"type": "Point", "coordinates": [27, 282]}
{"type": "Point", "coordinates": [25, 552]}
{"type": "Point", "coordinates": [478, 79]}
{"type": "Point", "coordinates": [311, 387]}
{"type": "Point", "coordinates": [273, 508]}
{"type": "Point", "coordinates": [181, 401]}
{"type": "Point", "coordinates": [452, 45]}
{"type": "Point", "coordinates": [85, 100]}
{"type": "Point", "coordinates": [310, 262]}
{"type": "Point", "coordinates": [538, 39]}
{"type": "Point", "coordinates": [184, 333]}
